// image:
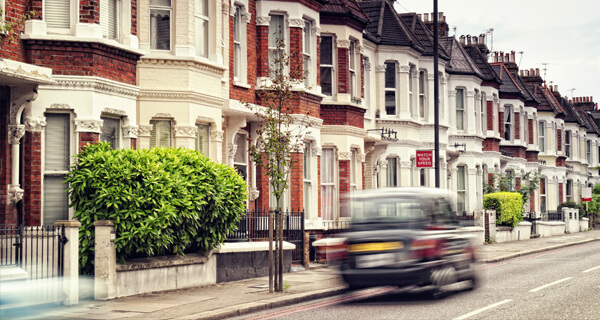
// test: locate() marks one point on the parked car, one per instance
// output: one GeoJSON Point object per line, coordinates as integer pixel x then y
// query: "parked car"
{"type": "Point", "coordinates": [406, 237]}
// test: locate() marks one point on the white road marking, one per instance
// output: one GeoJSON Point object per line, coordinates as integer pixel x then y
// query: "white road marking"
{"type": "Point", "coordinates": [472, 313]}
{"type": "Point", "coordinates": [591, 269]}
{"type": "Point", "coordinates": [550, 284]}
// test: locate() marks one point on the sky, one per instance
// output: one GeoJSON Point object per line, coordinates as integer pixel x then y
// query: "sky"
{"type": "Point", "coordinates": [564, 35]}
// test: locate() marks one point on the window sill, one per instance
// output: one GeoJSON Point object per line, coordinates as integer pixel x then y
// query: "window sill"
{"type": "Point", "coordinates": [71, 38]}
{"type": "Point", "coordinates": [241, 85]}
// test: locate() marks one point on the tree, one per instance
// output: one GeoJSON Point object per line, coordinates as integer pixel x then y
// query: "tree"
{"type": "Point", "coordinates": [279, 133]}
{"type": "Point", "coordinates": [527, 184]}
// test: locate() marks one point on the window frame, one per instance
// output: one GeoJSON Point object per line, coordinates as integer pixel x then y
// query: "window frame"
{"type": "Point", "coordinates": [272, 47]}
{"type": "Point", "coordinates": [200, 18]}
{"type": "Point", "coordinates": [391, 67]}
{"type": "Point", "coordinates": [152, 7]}
{"type": "Point", "coordinates": [327, 66]}
{"type": "Point", "coordinates": [328, 213]}
{"type": "Point", "coordinates": [352, 71]}
{"type": "Point", "coordinates": [157, 142]}
{"type": "Point", "coordinates": [243, 151]}
{"type": "Point", "coordinates": [568, 152]}
{"type": "Point", "coordinates": [55, 172]}
{"type": "Point", "coordinates": [588, 151]}
{"type": "Point", "coordinates": [106, 28]}
{"type": "Point", "coordinates": [483, 114]}
{"type": "Point", "coordinates": [461, 191]}
{"type": "Point", "coordinates": [307, 177]}
{"type": "Point", "coordinates": [72, 17]}
{"type": "Point", "coordinates": [543, 194]}
{"type": "Point", "coordinates": [237, 43]}
{"type": "Point", "coordinates": [306, 52]}
{"type": "Point", "coordinates": [198, 132]}
{"type": "Point", "coordinates": [542, 136]}
{"type": "Point", "coordinates": [460, 109]}
{"type": "Point", "coordinates": [118, 137]}
{"type": "Point", "coordinates": [392, 172]}
{"type": "Point", "coordinates": [508, 122]}
{"type": "Point", "coordinates": [422, 93]}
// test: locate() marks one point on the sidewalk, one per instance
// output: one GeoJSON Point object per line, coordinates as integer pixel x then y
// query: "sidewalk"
{"type": "Point", "coordinates": [231, 299]}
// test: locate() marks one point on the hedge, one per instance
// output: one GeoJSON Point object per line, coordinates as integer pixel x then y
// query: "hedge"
{"type": "Point", "coordinates": [508, 206]}
{"type": "Point", "coordinates": [162, 201]}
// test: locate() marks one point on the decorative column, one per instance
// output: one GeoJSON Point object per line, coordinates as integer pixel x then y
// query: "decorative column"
{"type": "Point", "coordinates": [185, 137]}
{"type": "Point", "coordinates": [143, 134]}
{"type": "Point", "coordinates": [130, 133]}
{"type": "Point", "coordinates": [405, 173]}
{"type": "Point", "coordinates": [216, 144]}
{"type": "Point", "coordinates": [15, 133]}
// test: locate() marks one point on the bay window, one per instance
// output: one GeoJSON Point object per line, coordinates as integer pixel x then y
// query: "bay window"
{"type": "Point", "coordinates": [306, 66]}
{"type": "Point", "coordinates": [422, 87]}
{"type": "Point", "coordinates": [237, 43]}
{"type": "Point", "coordinates": [352, 70]}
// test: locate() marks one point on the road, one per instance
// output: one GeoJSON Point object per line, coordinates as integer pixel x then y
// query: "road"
{"type": "Point", "coordinates": [559, 284]}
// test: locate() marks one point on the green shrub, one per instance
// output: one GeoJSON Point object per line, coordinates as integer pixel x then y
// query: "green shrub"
{"type": "Point", "coordinates": [594, 205]}
{"type": "Point", "coordinates": [162, 201]}
{"type": "Point", "coordinates": [574, 205]}
{"type": "Point", "coordinates": [596, 189]}
{"type": "Point", "coordinates": [508, 206]}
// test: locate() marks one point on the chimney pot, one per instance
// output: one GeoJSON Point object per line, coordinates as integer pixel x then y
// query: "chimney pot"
{"type": "Point", "coordinates": [462, 39]}
{"type": "Point", "coordinates": [556, 88]}
{"type": "Point", "coordinates": [507, 57]}
{"type": "Point", "coordinates": [441, 17]}
{"type": "Point", "coordinates": [475, 39]}
{"type": "Point", "coordinates": [420, 16]}
{"type": "Point", "coordinates": [468, 40]}
{"type": "Point", "coordinates": [426, 17]}
{"type": "Point", "coordinates": [531, 72]}
{"type": "Point", "coordinates": [512, 56]}
{"type": "Point", "coordinates": [537, 72]}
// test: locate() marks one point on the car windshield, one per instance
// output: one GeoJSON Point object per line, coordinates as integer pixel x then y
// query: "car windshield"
{"type": "Point", "coordinates": [380, 209]}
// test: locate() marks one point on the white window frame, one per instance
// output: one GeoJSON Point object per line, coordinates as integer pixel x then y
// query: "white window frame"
{"type": "Point", "coordinates": [476, 110]}
{"type": "Point", "coordinates": [118, 138]}
{"type": "Point", "coordinates": [199, 20]}
{"type": "Point", "coordinates": [353, 170]}
{"type": "Point", "coordinates": [307, 178]}
{"type": "Point", "coordinates": [73, 16]}
{"type": "Point", "coordinates": [105, 19]}
{"type": "Point", "coordinates": [391, 67]}
{"type": "Point", "coordinates": [461, 191]}
{"type": "Point", "coordinates": [328, 66]}
{"type": "Point", "coordinates": [460, 109]}
{"type": "Point", "coordinates": [307, 42]}
{"type": "Point", "coordinates": [161, 8]}
{"type": "Point", "coordinates": [542, 136]}
{"type": "Point", "coordinates": [588, 151]}
{"type": "Point", "coordinates": [568, 139]}
{"type": "Point", "coordinates": [543, 194]}
{"type": "Point", "coordinates": [55, 172]}
{"type": "Point", "coordinates": [508, 122]}
{"type": "Point", "coordinates": [569, 190]}
{"type": "Point", "coordinates": [241, 151]}
{"type": "Point", "coordinates": [422, 93]}
{"type": "Point", "coordinates": [483, 114]}
{"type": "Point", "coordinates": [157, 142]}
{"type": "Point", "coordinates": [199, 128]}
{"type": "Point", "coordinates": [354, 92]}
{"type": "Point", "coordinates": [284, 35]}
{"type": "Point", "coordinates": [392, 172]}
{"type": "Point", "coordinates": [328, 184]}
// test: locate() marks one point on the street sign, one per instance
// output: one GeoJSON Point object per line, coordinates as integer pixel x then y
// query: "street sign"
{"type": "Point", "coordinates": [424, 159]}
{"type": "Point", "coordinates": [586, 194]}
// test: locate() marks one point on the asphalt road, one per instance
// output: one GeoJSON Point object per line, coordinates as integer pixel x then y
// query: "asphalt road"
{"type": "Point", "coordinates": [559, 284]}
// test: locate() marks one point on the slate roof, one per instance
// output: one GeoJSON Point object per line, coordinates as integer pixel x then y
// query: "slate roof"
{"type": "Point", "coordinates": [460, 61]}
{"type": "Point", "coordinates": [482, 64]}
{"type": "Point", "coordinates": [529, 95]}
{"type": "Point", "coordinates": [348, 8]}
{"type": "Point", "coordinates": [547, 100]}
{"type": "Point", "coordinates": [509, 84]}
{"type": "Point", "coordinates": [387, 27]}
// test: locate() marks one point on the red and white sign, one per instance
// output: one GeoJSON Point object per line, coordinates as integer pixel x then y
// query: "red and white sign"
{"type": "Point", "coordinates": [586, 194]}
{"type": "Point", "coordinates": [424, 159]}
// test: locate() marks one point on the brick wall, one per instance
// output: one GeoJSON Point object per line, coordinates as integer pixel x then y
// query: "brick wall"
{"type": "Point", "coordinates": [89, 11]}
{"type": "Point", "coordinates": [343, 72]}
{"type": "Point", "coordinates": [342, 115]}
{"type": "Point", "coordinates": [318, 66]}
{"type": "Point", "coordinates": [13, 48]}
{"type": "Point", "coordinates": [262, 57]}
{"type": "Point", "coordinates": [7, 213]}
{"type": "Point", "coordinates": [561, 162]}
{"type": "Point", "coordinates": [490, 144]}
{"type": "Point", "coordinates": [531, 131]}
{"type": "Point", "coordinates": [319, 183]}
{"type": "Point", "coordinates": [87, 137]}
{"type": "Point", "coordinates": [517, 151]}
{"type": "Point", "coordinates": [531, 156]}
{"type": "Point", "coordinates": [32, 182]}
{"type": "Point", "coordinates": [134, 17]}
{"type": "Point", "coordinates": [559, 139]}
{"type": "Point", "coordinates": [296, 52]}
{"type": "Point", "coordinates": [490, 115]}
{"type": "Point", "coordinates": [83, 59]}
{"type": "Point", "coordinates": [362, 77]}
{"type": "Point", "coordinates": [344, 182]}
{"type": "Point", "coordinates": [254, 60]}
{"type": "Point", "coordinates": [133, 144]}
{"type": "Point", "coordinates": [560, 193]}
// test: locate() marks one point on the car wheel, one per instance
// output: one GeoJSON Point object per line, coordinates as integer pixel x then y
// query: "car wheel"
{"type": "Point", "coordinates": [473, 283]}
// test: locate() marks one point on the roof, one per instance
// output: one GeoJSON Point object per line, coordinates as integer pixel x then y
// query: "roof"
{"type": "Point", "coordinates": [481, 62]}
{"type": "Point", "coordinates": [460, 61]}
{"type": "Point", "coordinates": [387, 27]}
{"type": "Point", "coordinates": [345, 8]}
{"type": "Point", "coordinates": [509, 84]}
{"type": "Point", "coordinates": [547, 101]}
{"type": "Point", "coordinates": [529, 95]}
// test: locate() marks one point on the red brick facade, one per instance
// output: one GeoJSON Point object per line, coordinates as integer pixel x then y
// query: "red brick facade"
{"type": "Point", "coordinates": [344, 182]}
{"type": "Point", "coordinates": [89, 11]}
{"type": "Point", "coordinates": [560, 193]}
{"type": "Point", "coordinates": [87, 137]}
{"type": "Point", "coordinates": [342, 71]}
{"type": "Point", "coordinates": [561, 162]}
{"type": "Point", "coordinates": [516, 151]}
{"type": "Point", "coordinates": [297, 181]}
{"type": "Point", "coordinates": [342, 115]}
{"type": "Point", "coordinates": [501, 123]}
{"type": "Point", "coordinates": [7, 213]}
{"type": "Point", "coordinates": [491, 144]}
{"type": "Point", "coordinates": [517, 126]}
{"type": "Point", "coordinates": [490, 115]}
{"type": "Point", "coordinates": [531, 132]}
{"type": "Point", "coordinates": [559, 140]}
{"type": "Point", "coordinates": [83, 59]}
{"type": "Point", "coordinates": [32, 182]}
{"type": "Point", "coordinates": [531, 156]}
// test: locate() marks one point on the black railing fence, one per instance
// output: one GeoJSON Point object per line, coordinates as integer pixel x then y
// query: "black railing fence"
{"type": "Point", "coordinates": [254, 226]}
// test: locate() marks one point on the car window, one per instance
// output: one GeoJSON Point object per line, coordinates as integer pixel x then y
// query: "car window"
{"type": "Point", "coordinates": [386, 209]}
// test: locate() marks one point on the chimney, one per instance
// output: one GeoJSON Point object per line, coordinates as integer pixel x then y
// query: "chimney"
{"type": "Point", "coordinates": [443, 28]}
{"type": "Point", "coordinates": [462, 40]}
{"type": "Point", "coordinates": [420, 16]}
{"type": "Point", "coordinates": [537, 72]}
{"type": "Point", "coordinates": [532, 76]}
{"type": "Point", "coordinates": [426, 15]}
{"type": "Point", "coordinates": [475, 40]}
{"type": "Point", "coordinates": [512, 56]}
{"type": "Point", "coordinates": [441, 17]}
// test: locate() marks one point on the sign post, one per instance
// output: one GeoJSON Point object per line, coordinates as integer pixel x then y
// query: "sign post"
{"type": "Point", "coordinates": [424, 159]}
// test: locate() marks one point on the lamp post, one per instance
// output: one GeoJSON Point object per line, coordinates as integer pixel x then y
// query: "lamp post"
{"type": "Point", "coordinates": [436, 95]}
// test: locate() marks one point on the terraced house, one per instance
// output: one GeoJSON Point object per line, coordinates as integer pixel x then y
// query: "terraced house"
{"type": "Point", "coordinates": [150, 73]}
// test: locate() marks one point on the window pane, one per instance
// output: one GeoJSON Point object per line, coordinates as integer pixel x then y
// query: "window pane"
{"type": "Point", "coordinates": [108, 18]}
{"type": "Point", "coordinates": [390, 102]}
{"type": "Point", "coordinates": [392, 172]}
{"type": "Point", "coordinates": [241, 151]}
{"type": "Point", "coordinates": [422, 82]}
{"type": "Point", "coordinates": [202, 139]}
{"type": "Point", "coordinates": [57, 142]}
{"type": "Point", "coordinates": [56, 201]}
{"type": "Point", "coordinates": [327, 166]}
{"type": "Point", "coordinates": [160, 29]}
{"type": "Point", "coordinates": [275, 30]}
{"type": "Point", "coordinates": [326, 50]}
{"type": "Point", "coordinates": [390, 75]}
{"type": "Point", "coordinates": [306, 161]}
{"type": "Point", "coordinates": [326, 87]}
{"type": "Point", "coordinates": [201, 7]}
{"type": "Point", "coordinates": [160, 135]}
{"type": "Point", "coordinates": [111, 129]}
{"type": "Point", "coordinates": [460, 178]}
{"type": "Point", "coordinates": [306, 41]}
{"type": "Point", "coordinates": [201, 37]}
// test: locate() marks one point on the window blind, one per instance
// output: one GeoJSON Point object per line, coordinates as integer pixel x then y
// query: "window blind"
{"type": "Point", "coordinates": [160, 135]}
{"type": "Point", "coordinates": [56, 156]}
{"type": "Point", "coordinates": [108, 18]}
{"type": "Point", "coordinates": [57, 13]}
{"type": "Point", "coordinates": [111, 129]}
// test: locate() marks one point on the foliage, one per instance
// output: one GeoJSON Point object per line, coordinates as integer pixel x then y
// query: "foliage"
{"type": "Point", "coordinates": [529, 183]}
{"type": "Point", "coordinates": [162, 201]}
{"type": "Point", "coordinates": [11, 28]}
{"type": "Point", "coordinates": [594, 205]}
{"type": "Point", "coordinates": [508, 207]}
{"type": "Point", "coordinates": [279, 133]}
{"type": "Point", "coordinates": [572, 204]}
{"type": "Point", "coordinates": [596, 189]}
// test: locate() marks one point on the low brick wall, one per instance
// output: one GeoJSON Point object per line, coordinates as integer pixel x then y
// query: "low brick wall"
{"type": "Point", "coordinates": [244, 260]}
